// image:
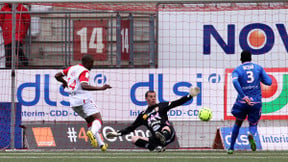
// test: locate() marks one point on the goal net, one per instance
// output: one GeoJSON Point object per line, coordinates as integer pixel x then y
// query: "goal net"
{"type": "Point", "coordinates": [139, 46]}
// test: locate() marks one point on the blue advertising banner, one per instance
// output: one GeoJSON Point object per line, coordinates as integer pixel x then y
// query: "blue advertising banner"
{"type": "Point", "coordinates": [242, 142]}
{"type": "Point", "coordinates": [5, 125]}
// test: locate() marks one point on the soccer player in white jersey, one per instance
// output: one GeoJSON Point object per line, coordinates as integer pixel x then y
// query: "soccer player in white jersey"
{"type": "Point", "coordinates": [80, 98]}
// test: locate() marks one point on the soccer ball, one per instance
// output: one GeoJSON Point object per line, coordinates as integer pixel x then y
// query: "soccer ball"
{"type": "Point", "coordinates": [205, 114]}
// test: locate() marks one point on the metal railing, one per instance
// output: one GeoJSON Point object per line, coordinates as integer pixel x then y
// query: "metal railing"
{"type": "Point", "coordinates": [56, 47]}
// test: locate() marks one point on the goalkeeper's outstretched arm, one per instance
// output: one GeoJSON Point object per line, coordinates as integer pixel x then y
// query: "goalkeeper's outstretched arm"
{"type": "Point", "coordinates": [128, 129]}
{"type": "Point", "coordinates": [194, 91]}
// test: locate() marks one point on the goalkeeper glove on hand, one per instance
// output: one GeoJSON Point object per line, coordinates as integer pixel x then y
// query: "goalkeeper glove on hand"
{"type": "Point", "coordinates": [194, 91]}
{"type": "Point", "coordinates": [113, 134]}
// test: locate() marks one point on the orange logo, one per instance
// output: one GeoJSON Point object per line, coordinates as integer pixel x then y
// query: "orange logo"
{"type": "Point", "coordinates": [44, 137]}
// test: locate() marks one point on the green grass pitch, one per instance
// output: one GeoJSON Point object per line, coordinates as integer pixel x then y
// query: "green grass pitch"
{"type": "Point", "coordinates": [142, 156]}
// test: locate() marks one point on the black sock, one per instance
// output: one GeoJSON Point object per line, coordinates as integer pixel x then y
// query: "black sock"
{"type": "Point", "coordinates": [142, 143]}
{"type": "Point", "coordinates": [145, 144]}
{"type": "Point", "coordinates": [151, 147]}
{"type": "Point", "coordinates": [166, 134]}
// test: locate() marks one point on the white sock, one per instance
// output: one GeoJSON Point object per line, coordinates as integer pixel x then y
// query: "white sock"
{"type": "Point", "coordinates": [98, 138]}
{"type": "Point", "coordinates": [96, 126]}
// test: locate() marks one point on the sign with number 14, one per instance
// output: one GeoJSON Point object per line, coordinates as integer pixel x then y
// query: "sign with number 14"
{"type": "Point", "coordinates": [90, 37]}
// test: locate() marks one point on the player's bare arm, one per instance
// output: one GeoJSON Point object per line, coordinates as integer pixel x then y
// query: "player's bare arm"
{"type": "Point", "coordinates": [59, 77]}
{"type": "Point", "coordinates": [88, 87]}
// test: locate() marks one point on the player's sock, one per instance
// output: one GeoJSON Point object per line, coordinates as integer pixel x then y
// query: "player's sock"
{"type": "Point", "coordinates": [144, 144]}
{"type": "Point", "coordinates": [96, 126]}
{"type": "Point", "coordinates": [235, 132]}
{"type": "Point", "coordinates": [252, 133]}
{"type": "Point", "coordinates": [252, 129]}
{"type": "Point", "coordinates": [151, 146]}
{"type": "Point", "coordinates": [98, 138]}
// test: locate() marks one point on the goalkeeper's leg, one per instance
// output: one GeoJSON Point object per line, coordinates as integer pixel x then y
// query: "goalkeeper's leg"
{"type": "Point", "coordinates": [147, 143]}
{"type": "Point", "coordinates": [157, 142]}
{"type": "Point", "coordinates": [142, 142]}
{"type": "Point", "coordinates": [166, 135]}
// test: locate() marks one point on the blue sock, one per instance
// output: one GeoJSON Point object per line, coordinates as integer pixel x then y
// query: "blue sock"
{"type": "Point", "coordinates": [252, 129]}
{"type": "Point", "coordinates": [235, 132]}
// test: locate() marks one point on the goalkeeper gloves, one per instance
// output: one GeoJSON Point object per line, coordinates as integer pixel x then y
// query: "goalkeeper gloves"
{"type": "Point", "coordinates": [113, 134]}
{"type": "Point", "coordinates": [194, 91]}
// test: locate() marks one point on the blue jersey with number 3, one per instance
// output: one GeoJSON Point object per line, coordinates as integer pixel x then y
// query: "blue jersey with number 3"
{"type": "Point", "coordinates": [246, 80]}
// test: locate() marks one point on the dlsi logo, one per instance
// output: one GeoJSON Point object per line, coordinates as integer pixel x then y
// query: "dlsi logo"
{"type": "Point", "coordinates": [280, 94]}
{"type": "Point", "coordinates": [100, 79]}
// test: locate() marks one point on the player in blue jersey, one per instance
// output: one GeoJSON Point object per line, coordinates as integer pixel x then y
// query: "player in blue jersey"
{"type": "Point", "coordinates": [246, 80]}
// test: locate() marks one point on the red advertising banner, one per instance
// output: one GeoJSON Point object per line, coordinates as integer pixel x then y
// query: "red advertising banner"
{"type": "Point", "coordinates": [90, 37]}
{"type": "Point", "coordinates": [125, 41]}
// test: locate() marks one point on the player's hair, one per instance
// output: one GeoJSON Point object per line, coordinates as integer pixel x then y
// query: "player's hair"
{"type": "Point", "coordinates": [150, 91]}
{"type": "Point", "coordinates": [245, 56]}
{"type": "Point", "coordinates": [87, 58]}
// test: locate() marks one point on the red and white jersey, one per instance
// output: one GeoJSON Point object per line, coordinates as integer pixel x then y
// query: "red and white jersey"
{"type": "Point", "coordinates": [75, 76]}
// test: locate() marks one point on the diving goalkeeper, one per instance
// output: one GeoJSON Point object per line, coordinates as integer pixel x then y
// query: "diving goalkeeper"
{"type": "Point", "coordinates": [155, 118]}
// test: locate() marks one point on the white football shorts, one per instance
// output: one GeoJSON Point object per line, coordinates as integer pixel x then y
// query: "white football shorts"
{"type": "Point", "coordinates": [89, 108]}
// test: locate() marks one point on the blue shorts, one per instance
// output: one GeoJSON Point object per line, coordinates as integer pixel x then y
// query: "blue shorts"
{"type": "Point", "coordinates": [241, 110]}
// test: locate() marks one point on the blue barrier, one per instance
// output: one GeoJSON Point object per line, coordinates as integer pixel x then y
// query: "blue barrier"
{"type": "Point", "coordinates": [5, 124]}
{"type": "Point", "coordinates": [242, 142]}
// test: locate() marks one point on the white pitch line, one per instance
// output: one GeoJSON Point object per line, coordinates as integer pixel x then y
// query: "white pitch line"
{"type": "Point", "coordinates": [167, 154]}
{"type": "Point", "coordinates": [145, 157]}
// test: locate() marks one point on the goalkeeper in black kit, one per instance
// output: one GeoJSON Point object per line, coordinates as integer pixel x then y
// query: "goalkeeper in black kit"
{"type": "Point", "coordinates": [155, 118]}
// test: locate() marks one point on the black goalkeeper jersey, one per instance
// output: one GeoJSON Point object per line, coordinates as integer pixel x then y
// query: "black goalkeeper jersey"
{"type": "Point", "coordinates": [155, 117]}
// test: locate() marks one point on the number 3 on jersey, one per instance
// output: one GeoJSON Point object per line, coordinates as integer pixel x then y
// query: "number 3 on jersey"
{"type": "Point", "coordinates": [250, 76]}
{"type": "Point", "coordinates": [72, 85]}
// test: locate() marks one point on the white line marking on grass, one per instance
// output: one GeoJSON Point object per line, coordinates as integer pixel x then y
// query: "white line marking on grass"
{"type": "Point", "coordinates": [145, 157]}
{"type": "Point", "coordinates": [147, 154]}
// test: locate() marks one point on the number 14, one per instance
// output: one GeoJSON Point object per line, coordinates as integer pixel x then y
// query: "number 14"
{"type": "Point", "coordinates": [99, 40]}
